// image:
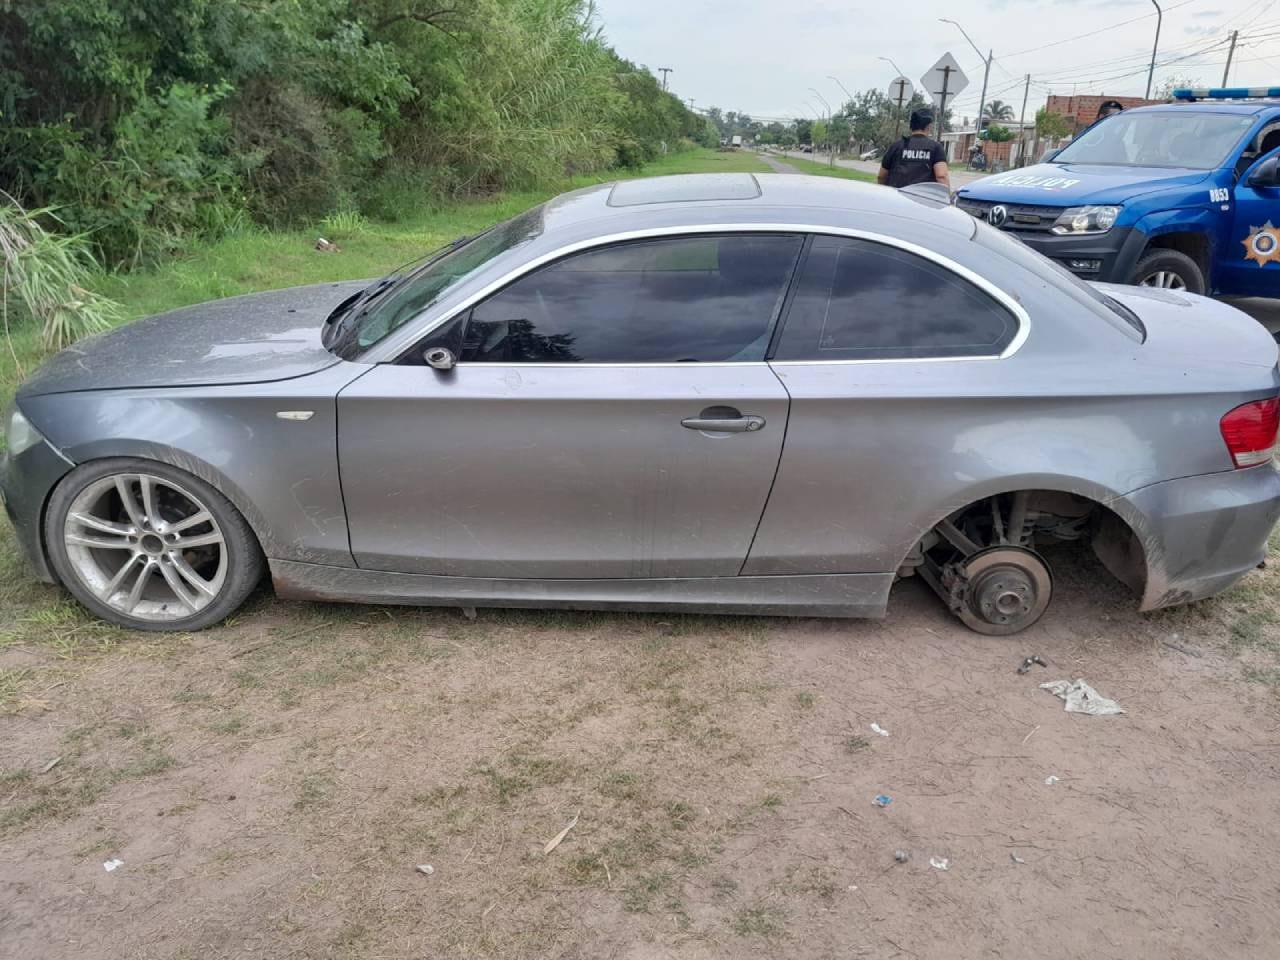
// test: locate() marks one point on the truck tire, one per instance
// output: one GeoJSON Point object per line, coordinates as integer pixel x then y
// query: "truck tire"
{"type": "Point", "coordinates": [1170, 270]}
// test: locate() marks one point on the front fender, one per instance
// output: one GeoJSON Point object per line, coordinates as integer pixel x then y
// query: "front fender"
{"type": "Point", "coordinates": [282, 475]}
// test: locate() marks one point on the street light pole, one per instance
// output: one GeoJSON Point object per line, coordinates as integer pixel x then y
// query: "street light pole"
{"type": "Point", "coordinates": [664, 71]}
{"type": "Point", "coordinates": [847, 94]}
{"type": "Point", "coordinates": [986, 72]}
{"type": "Point", "coordinates": [1151, 73]}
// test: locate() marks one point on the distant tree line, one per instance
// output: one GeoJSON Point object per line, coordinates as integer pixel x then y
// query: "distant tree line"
{"type": "Point", "coordinates": [148, 122]}
{"type": "Point", "coordinates": [868, 120]}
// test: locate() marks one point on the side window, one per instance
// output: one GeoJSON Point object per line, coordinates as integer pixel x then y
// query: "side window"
{"type": "Point", "coordinates": [859, 300]}
{"type": "Point", "coordinates": [697, 298]}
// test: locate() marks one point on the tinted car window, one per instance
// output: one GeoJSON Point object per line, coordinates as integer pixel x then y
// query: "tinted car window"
{"type": "Point", "coordinates": [859, 300]}
{"type": "Point", "coordinates": [674, 299]}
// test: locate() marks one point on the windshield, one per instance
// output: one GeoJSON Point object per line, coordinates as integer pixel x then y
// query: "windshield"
{"type": "Point", "coordinates": [361, 329]}
{"type": "Point", "coordinates": [1181, 138]}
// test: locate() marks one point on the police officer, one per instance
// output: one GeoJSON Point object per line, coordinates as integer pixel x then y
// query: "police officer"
{"type": "Point", "coordinates": [917, 158]}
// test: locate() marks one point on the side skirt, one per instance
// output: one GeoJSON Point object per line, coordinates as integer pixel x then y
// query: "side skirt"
{"type": "Point", "coordinates": [826, 595]}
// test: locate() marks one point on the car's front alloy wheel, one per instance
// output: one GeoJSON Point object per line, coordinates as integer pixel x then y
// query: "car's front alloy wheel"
{"type": "Point", "coordinates": [150, 547]}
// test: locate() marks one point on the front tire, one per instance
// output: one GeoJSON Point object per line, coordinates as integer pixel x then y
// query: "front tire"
{"type": "Point", "coordinates": [150, 547]}
{"type": "Point", "coordinates": [1169, 270]}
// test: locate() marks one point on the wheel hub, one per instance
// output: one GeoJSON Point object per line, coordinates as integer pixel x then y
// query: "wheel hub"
{"type": "Point", "coordinates": [1008, 589]}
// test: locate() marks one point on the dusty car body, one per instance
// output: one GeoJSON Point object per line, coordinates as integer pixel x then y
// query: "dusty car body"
{"type": "Point", "coordinates": [712, 393]}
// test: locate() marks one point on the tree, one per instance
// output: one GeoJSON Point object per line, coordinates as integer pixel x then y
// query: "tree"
{"type": "Point", "coordinates": [1051, 126]}
{"type": "Point", "coordinates": [1175, 82]}
{"type": "Point", "coordinates": [818, 133]}
{"type": "Point", "coordinates": [997, 110]}
{"type": "Point", "coordinates": [997, 134]}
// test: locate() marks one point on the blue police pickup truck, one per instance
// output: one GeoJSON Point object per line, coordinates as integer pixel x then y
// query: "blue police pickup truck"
{"type": "Point", "coordinates": [1184, 195]}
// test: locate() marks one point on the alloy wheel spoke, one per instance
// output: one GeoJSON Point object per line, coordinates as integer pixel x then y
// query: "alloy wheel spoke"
{"type": "Point", "coordinates": [100, 525]}
{"type": "Point", "coordinates": [199, 540]}
{"type": "Point", "coordinates": [186, 523]}
{"type": "Point", "coordinates": [100, 543]}
{"type": "Point", "coordinates": [121, 575]}
{"type": "Point", "coordinates": [149, 501]}
{"type": "Point", "coordinates": [189, 574]}
{"type": "Point", "coordinates": [124, 487]}
{"type": "Point", "coordinates": [178, 587]}
{"type": "Point", "coordinates": [135, 594]}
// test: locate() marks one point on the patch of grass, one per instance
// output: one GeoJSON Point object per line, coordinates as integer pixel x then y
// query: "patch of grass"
{"type": "Point", "coordinates": [315, 790]}
{"type": "Point", "coordinates": [765, 921]}
{"type": "Point", "coordinates": [815, 880]}
{"type": "Point", "coordinates": [805, 700]}
{"type": "Point", "coordinates": [680, 815]}
{"type": "Point", "coordinates": [228, 725]}
{"type": "Point", "coordinates": [816, 169]}
{"type": "Point", "coordinates": [772, 802]}
{"type": "Point", "coordinates": [641, 892]}
{"type": "Point", "coordinates": [77, 783]}
{"type": "Point", "coordinates": [855, 744]}
{"type": "Point", "coordinates": [1267, 675]}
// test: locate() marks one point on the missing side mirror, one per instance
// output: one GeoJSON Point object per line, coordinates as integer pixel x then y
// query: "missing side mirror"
{"type": "Point", "coordinates": [439, 358]}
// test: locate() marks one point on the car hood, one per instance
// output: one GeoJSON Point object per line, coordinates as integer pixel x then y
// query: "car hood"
{"type": "Point", "coordinates": [251, 339]}
{"type": "Point", "coordinates": [1069, 184]}
{"type": "Point", "coordinates": [1186, 331]}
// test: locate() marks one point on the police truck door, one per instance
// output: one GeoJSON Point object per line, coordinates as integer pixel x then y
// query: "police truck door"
{"type": "Point", "coordinates": [1250, 264]}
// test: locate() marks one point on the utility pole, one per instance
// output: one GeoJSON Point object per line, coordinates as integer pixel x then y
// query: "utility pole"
{"type": "Point", "coordinates": [1152, 72]}
{"type": "Point", "coordinates": [664, 71]}
{"type": "Point", "coordinates": [1230, 54]}
{"type": "Point", "coordinates": [901, 85]}
{"type": "Point", "coordinates": [1022, 124]}
{"type": "Point", "coordinates": [690, 99]}
{"type": "Point", "coordinates": [942, 109]}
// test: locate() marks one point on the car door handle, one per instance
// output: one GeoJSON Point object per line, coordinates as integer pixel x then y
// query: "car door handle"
{"type": "Point", "coordinates": [747, 424]}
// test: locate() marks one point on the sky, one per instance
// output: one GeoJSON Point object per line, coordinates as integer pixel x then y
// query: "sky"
{"type": "Point", "coordinates": [763, 56]}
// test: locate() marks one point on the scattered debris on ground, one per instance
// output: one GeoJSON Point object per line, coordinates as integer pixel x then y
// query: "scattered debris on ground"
{"type": "Point", "coordinates": [1082, 698]}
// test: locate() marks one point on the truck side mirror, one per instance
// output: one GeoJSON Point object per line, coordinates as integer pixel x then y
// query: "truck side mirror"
{"type": "Point", "coordinates": [1266, 174]}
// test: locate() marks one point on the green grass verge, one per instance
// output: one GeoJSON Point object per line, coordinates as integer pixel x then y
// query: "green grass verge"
{"type": "Point", "coordinates": [258, 259]}
{"type": "Point", "coordinates": [814, 168]}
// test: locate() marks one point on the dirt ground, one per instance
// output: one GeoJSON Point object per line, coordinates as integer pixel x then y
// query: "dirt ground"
{"type": "Point", "coordinates": [272, 784]}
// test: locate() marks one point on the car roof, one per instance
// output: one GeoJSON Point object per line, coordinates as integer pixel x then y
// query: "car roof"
{"type": "Point", "coordinates": [711, 198]}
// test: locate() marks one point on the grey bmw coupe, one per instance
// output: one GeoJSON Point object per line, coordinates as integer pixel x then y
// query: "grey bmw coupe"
{"type": "Point", "coordinates": [721, 393]}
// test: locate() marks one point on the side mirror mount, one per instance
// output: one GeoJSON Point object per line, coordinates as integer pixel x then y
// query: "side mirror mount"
{"type": "Point", "coordinates": [1266, 174]}
{"type": "Point", "coordinates": [439, 358]}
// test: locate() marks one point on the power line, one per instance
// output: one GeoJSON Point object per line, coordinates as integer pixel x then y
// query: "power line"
{"type": "Point", "coordinates": [1094, 33]}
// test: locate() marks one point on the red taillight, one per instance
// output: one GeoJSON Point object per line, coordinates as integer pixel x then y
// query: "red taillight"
{"type": "Point", "coordinates": [1250, 431]}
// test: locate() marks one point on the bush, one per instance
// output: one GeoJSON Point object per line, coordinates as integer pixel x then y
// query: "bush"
{"type": "Point", "coordinates": [44, 276]}
{"type": "Point", "coordinates": [164, 176]}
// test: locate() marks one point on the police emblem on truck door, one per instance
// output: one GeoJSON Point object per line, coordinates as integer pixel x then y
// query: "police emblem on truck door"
{"type": "Point", "coordinates": [1262, 245]}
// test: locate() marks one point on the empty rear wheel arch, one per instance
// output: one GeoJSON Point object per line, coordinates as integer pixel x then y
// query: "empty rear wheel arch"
{"type": "Point", "coordinates": [1004, 532]}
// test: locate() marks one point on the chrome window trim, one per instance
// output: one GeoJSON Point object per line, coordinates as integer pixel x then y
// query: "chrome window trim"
{"type": "Point", "coordinates": [394, 346]}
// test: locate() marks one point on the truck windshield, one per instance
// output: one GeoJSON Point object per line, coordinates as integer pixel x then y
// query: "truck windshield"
{"type": "Point", "coordinates": [419, 289]}
{"type": "Point", "coordinates": [1189, 139]}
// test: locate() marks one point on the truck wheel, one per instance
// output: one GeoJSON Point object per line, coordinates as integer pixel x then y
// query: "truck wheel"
{"type": "Point", "coordinates": [1170, 270]}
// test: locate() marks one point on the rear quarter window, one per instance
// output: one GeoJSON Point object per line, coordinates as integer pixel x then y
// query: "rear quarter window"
{"type": "Point", "coordinates": [861, 300]}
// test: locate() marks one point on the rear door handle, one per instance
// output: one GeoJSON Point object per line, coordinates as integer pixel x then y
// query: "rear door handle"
{"type": "Point", "coordinates": [746, 424]}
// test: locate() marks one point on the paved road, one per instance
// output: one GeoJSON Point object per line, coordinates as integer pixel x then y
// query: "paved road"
{"type": "Point", "coordinates": [777, 166]}
{"type": "Point", "coordinates": [959, 178]}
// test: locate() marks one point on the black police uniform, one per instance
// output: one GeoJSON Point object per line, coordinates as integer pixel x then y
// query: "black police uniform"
{"type": "Point", "coordinates": [911, 159]}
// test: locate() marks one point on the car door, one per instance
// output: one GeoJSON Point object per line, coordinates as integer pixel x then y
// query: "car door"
{"type": "Point", "coordinates": [610, 415]}
{"type": "Point", "coordinates": [870, 435]}
{"type": "Point", "coordinates": [1249, 264]}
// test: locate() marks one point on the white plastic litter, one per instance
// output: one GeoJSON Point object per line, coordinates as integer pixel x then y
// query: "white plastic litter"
{"type": "Point", "coordinates": [1082, 698]}
{"type": "Point", "coordinates": [425, 869]}
{"type": "Point", "coordinates": [940, 863]}
{"type": "Point", "coordinates": [876, 728]}
{"type": "Point", "coordinates": [1049, 781]}
{"type": "Point", "coordinates": [110, 865]}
